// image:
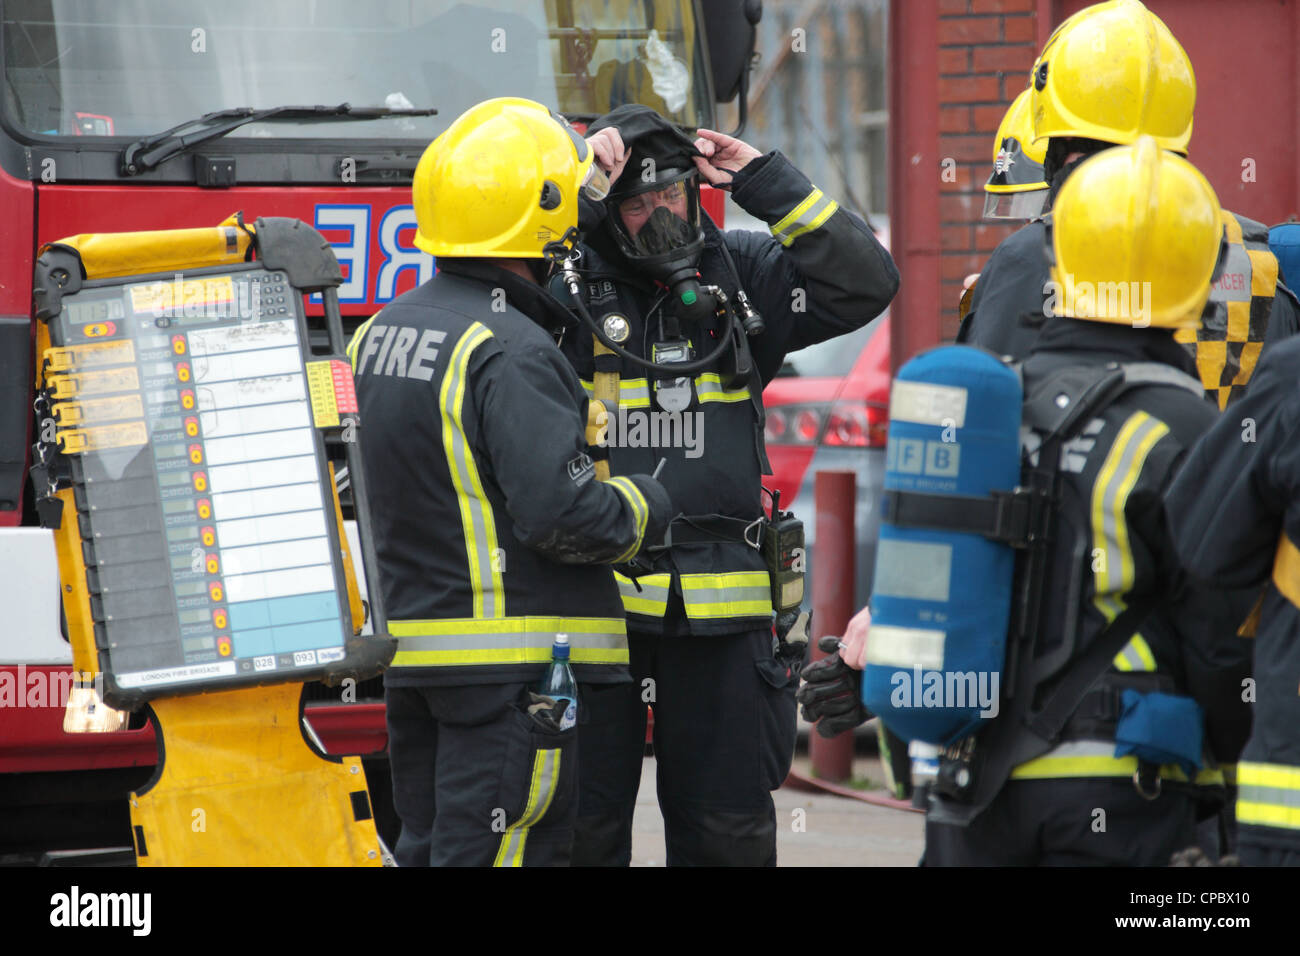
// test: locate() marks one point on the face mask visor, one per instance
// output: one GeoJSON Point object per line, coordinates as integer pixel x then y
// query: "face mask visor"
{"type": "Point", "coordinates": [661, 219]}
{"type": "Point", "coordinates": [1023, 206]}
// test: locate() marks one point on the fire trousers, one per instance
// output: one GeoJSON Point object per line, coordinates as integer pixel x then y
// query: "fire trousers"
{"type": "Point", "coordinates": [724, 734]}
{"type": "Point", "coordinates": [477, 779]}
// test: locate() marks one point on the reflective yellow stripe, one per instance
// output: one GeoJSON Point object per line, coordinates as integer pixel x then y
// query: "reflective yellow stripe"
{"type": "Point", "coordinates": [1268, 795]}
{"type": "Point", "coordinates": [815, 209]}
{"type": "Point", "coordinates": [709, 387]}
{"type": "Point", "coordinates": [640, 512]}
{"type": "Point", "coordinates": [635, 392]}
{"type": "Point", "coordinates": [476, 516]}
{"type": "Point", "coordinates": [541, 791]}
{"type": "Point", "coordinates": [354, 344]}
{"type": "Point", "coordinates": [452, 642]}
{"type": "Point", "coordinates": [1135, 656]}
{"type": "Point", "coordinates": [812, 224]}
{"type": "Point", "coordinates": [1096, 758]}
{"type": "Point", "coordinates": [1119, 473]}
{"type": "Point", "coordinates": [732, 594]}
{"type": "Point", "coordinates": [651, 600]}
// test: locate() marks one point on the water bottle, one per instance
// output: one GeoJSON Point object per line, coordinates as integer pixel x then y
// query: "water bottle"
{"type": "Point", "coordinates": [559, 683]}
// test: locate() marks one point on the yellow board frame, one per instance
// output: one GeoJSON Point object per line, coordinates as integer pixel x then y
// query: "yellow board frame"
{"type": "Point", "coordinates": [237, 784]}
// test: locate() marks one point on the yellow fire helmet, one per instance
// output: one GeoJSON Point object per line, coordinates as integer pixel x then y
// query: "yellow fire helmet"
{"type": "Point", "coordinates": [502, 181]}
{"type": "Point", "coordinates": [1016, 188]}
{"type": "Point", "coordinates": [1136, 238]}
{"type": "Point", "coordinates": [1114, 72]}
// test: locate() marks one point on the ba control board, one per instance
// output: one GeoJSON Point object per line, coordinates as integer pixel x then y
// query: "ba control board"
{"type": "Point", "coordinates": [188, 408]}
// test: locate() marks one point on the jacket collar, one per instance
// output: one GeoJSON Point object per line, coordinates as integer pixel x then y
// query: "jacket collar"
{"type": "Point", "coordinates": [1104, 342]}
{"type": "Point", "coordinates": [531, 299]}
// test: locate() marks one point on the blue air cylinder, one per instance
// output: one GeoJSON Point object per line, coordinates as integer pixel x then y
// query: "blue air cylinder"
{"type": "Point", "coordinates": [941, 601]}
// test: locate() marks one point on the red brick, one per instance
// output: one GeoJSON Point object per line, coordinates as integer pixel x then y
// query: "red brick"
{"type": "Point", "coordinates": [1013, 84]}
{"type": "Point", "coordinates": [948, 7]}
{"type": "Point", "coordinates": [957, 265]}
{"type": "Point", "coordinates": [954, 60]}
{"type": "Point", "coordinates": [989, 234]}
{"type": "Point", "coordinates": [1011, 59]}
{"type": "Point", "coordinates": [1019, 30]}
{"type": "Point", "coordinates": [955, 119]}
{"type": "Point", "coordinates": [986, 119]}
{"type": "Point", "coordinates": [1001, 6]}
{"type": "Point", "coordinates": [950, 295]}
{"type": "Point", "coordinates": [955, 239]}
{"type": "Point", "coordinates": [963, 208]}
{"type": "Point", "coordinates": [977, 173]}
{"type": "Point", "coordinates": [973, 89]}
{"type": "Point", "coordinates": [966, 177]}
{"type": "Point", "coordinates": [964, 149]}
{"type": "Point", "coordinates": [963, 31]}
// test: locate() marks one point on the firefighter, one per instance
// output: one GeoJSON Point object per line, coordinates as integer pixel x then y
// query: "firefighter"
{"type": "Point", "coordinates": [1234, 512]}
{"type": "Point", "coordinates": [700, 614]}
{"type": "Point", "coordinates": [491, 532]}
{"type": "Point", "coordinates": [1141, 215]}
{"type": "Point", "coordinates": [1106, 76]}
{"type": "Point", "coordinates": [1016, 189]}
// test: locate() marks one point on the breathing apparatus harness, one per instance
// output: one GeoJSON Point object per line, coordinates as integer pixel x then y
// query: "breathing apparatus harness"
{"type": "Point", "coordinates": [779, 536]}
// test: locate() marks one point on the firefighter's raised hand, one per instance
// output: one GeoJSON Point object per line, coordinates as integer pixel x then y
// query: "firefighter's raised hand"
{"type": "Point", "coordinates": [611, 154]}
{"type": "Point", "coordinates": [724, 156]}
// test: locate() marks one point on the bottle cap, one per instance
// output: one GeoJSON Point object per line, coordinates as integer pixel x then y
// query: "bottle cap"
{"type": "Point", "coordinates": [688, 297]}
{"type": "Point", "coordinates": [562, 639]}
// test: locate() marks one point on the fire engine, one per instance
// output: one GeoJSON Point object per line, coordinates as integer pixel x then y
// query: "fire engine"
{"type": "Point", "coordinates": [155, 115]}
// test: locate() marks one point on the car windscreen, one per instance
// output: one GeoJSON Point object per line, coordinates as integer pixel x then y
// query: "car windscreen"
{"type": "Point", "coordinates": [832, 358]}
{"type": "Point", "coordinates": [136, 67]}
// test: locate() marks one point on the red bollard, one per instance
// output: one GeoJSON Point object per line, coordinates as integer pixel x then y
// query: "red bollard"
{"type": "Point", "coordinates": [834, 496]}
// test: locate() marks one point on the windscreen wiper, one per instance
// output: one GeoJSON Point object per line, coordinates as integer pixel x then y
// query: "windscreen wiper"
{"type": "Point", "coordinates": [146, 154]}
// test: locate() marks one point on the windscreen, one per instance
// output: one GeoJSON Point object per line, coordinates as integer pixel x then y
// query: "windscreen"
{"type": "Point", "coordinates": [135, 67]}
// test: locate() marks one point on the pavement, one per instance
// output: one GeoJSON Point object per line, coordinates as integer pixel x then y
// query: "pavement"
{"type": "Point", "coordinates": [813, 829]}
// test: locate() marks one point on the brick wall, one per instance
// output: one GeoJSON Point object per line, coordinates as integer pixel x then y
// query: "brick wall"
{"type": "Point", "coordinates": [986, 48]}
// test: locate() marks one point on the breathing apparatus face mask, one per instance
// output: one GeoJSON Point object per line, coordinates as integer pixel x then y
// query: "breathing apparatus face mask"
{"type": "Point", "coordinates": [658, 227]}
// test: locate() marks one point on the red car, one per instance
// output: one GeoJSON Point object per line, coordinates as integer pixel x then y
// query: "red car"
{"type": "Point", "coordinates": [828, 409]}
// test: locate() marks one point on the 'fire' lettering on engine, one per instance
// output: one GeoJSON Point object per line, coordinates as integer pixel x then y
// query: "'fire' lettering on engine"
{"type": "Point", "coordinates": [346, 226]}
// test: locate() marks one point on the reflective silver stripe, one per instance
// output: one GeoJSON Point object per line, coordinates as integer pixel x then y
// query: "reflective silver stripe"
{"type": "Point", "coordinates": [1119, 473]}
{"type": "Point", "coordinates": [520, 640]}
{"type": "Point", "coordinates": [815, 209]}
{"type": "Point", "coordinates": [709, 388]}
{"type": "Point", "coordinates": [1278, 796]}
{"type": "Point", "coordinates": [632, 392]}
{"type": "Point", "coordinates": [355, 344]}
{"type": "Point", "coordinates": [477, 521]}
{"type": "Point", "coordinates": [731, 594]}
{"type": "Point", "coordinates": [541, 791]}
{"type": "Point", "coordinates": [635, 392]}
{"type": "Point", "coordinates": [1132, 658]}
{"type": "Point", "coordinates": [651, 600]}
{"type": "Point", "coordinates": [540, 640]}
{"type": "Point", "coordinates": [640, 513]}
{"type": "Point", "coordinates": [1268, 795]}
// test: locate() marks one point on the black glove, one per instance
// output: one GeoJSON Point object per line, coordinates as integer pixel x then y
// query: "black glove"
{"type": "Point", "coordinates": [832, 692]}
